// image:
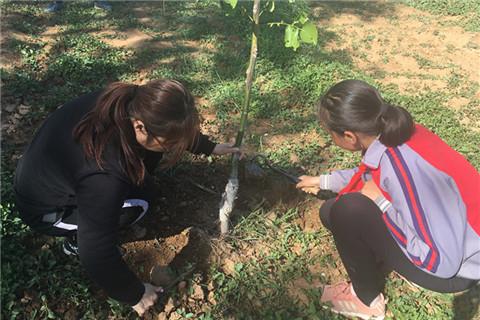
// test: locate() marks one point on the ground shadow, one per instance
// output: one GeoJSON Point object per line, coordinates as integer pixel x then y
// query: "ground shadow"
{"type": "Point", "coordinates": [466, 305]}
{"type": "Point", "coordinates": [189, 196]}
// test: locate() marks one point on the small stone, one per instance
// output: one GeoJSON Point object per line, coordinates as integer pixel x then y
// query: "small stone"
{"type": "Point", "coordinates": [229, 266]}
{"type": "Point", "coordinates": [198, 293]}
{"type": "Point", "coordinates": [175, 316]}
{"type": "Point", "coordinates": [169, 306]}
{"type": "Point", "coordinates": [162, 316]}
{"type": "Point", "coordinates": [211, 298]}
{"type": "Point", "coordinates": [210, 286]}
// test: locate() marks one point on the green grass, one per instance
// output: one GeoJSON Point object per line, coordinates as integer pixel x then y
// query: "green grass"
{"type": "Point", "coordinates": [468, 11]}
{"type": "Point", "coordinates": [287, 88]}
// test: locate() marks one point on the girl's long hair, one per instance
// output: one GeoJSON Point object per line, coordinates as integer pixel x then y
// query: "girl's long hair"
{"type": "Point", "coordinates": [166, 109]}
{"type": "Point", "coordinates": [354, 105]}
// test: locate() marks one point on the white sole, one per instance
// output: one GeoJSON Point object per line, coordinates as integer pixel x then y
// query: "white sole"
{"type": "Point", "coordinates": [68, 253]}
{"type": "Point", "coordinates": [357, 315]}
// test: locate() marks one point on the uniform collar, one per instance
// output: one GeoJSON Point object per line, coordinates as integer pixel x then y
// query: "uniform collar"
{"type": "Point", "coordinates": [374, 154]}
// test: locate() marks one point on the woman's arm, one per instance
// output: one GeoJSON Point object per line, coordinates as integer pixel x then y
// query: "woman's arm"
{"type": "Point", "coordinates": [202, 145]}
{"type": "Point", "coordinates": [100, 198]}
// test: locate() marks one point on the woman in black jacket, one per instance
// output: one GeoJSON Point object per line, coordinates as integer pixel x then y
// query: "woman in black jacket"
{"type": "Point", "coordinates": [86, 173]}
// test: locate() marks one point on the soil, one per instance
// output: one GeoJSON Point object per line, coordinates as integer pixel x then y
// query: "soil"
{"type": "Point", "coordinates": [182, 229]}
{"type": "Point", "coordinates": [411, 48]}
{"type": "Point", "coordinates": [182, 232]}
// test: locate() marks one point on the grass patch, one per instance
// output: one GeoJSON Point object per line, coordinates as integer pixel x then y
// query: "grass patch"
{"type": "Point", "coordinates": [208, 51]}
{"type": "Point", "coordinates": [468, 11]}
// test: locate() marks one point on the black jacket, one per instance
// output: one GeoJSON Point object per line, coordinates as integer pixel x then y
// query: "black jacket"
{"type": "Point", "coordinates": [54, 170]}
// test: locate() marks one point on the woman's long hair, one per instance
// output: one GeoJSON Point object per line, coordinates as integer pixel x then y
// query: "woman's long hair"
{"type": "Point", "coordinates": [166, 109]}
{"type": "Point", "coordinates": [354, 105]}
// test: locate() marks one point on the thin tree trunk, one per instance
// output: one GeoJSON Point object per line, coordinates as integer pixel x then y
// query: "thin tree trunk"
{"type": "Point", "coordinates": [231, 189]}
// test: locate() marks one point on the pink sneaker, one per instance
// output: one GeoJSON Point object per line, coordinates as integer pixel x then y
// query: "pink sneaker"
{"type": "Point", "coordinates": [344, 301]}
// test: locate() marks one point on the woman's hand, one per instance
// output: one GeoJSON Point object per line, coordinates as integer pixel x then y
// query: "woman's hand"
{"type": "Point", "coordinates": [371, 190]}
{"type": "Point", "coordinates": [226, 148]}
{"type": "Point", "coordinates": [309, 184]}
{"type": "Point", "coordinates": [149, 298]}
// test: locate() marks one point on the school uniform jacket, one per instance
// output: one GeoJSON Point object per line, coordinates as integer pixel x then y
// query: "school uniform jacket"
{"type": "Point", "coordinates": [430, 202]}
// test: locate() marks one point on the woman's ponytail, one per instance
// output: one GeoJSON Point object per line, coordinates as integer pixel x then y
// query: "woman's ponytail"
{"type": "Point", "coordinates": [167, 110]}
{"type": "Point", "coordinates": [354, 105]}
{"type": "Point", "coordinates": [110, 119]}
{"type": "Point", "coordinates": [396, 125]}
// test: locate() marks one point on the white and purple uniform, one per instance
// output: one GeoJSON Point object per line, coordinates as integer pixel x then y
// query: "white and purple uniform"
{"type": "Point", "coordinates": [430, 202]}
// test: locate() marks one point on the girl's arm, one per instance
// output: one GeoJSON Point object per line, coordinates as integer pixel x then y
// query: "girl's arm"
{"type": "Point", "coordinates": [336, 180]}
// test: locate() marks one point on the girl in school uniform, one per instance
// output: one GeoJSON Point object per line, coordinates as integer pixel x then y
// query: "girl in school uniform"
{"type": "Point", "coordinates": [412, 205]}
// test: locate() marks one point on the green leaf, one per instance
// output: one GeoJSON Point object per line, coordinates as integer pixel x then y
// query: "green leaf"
{"type": "Point", "coordinates": [309, 33]}
{"type": "Point", "coordinates": [303, 19]}
{"type": "Point", "coordinates": [291, 37]}
{"type": "Point", "coordinates": [238, 267]}
{"type": "Point", "coordinates": [233, 3]}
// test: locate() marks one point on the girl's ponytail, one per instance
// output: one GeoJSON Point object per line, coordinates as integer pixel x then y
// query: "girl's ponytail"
{"type": "Point", "coordinates": [396, 125]}
{"type": "Point", "coordinates": [354, 105]}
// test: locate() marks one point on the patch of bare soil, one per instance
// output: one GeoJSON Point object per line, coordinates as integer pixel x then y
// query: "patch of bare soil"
{"type": "Point", "coordinates": [409, 47]}
{"type": "Point", "coordinates": [309, 220]}
{"type": "Point", "coordinates": [8, 59]}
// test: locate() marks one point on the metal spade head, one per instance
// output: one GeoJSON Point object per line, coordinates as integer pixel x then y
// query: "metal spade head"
{"type": "Point", "coordinates": [254, 169]}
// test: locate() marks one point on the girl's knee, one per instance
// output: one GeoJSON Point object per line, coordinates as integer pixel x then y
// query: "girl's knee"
{"type": "Point", "coordinates": [325, 213]}
{"type": "Point", "coordinates": [349, 208]}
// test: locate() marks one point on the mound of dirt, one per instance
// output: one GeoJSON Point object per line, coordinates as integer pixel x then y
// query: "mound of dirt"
{"type": "Point", "coordinates": [190, 247]}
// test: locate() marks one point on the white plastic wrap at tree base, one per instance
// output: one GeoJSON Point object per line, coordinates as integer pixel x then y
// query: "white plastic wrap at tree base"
{"type": "Point", "coordinates": [226, 205]}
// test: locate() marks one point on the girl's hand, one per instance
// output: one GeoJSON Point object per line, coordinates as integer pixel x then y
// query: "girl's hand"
{"type": "Point", "coordinates": [371, 190]}
{"type": "Point", "coordinates": [149, 298]}
{"type": "Point", "coordinates": [309, 184]}
{"type": "Point", "coordinates": [226, 148]}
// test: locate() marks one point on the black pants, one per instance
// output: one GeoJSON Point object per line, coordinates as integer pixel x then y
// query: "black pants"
{"type": "Point", "coordinates": [61, 220]}
{"type": "Point", "coordinates": [369, 252]}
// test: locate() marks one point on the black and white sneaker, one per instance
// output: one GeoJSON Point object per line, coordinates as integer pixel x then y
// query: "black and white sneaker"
{"type": "Point", "coordinates": [70, 247]}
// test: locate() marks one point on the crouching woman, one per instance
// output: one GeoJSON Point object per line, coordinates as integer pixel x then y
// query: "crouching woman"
{"type": "Point", "coordinates": [87, 173]}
